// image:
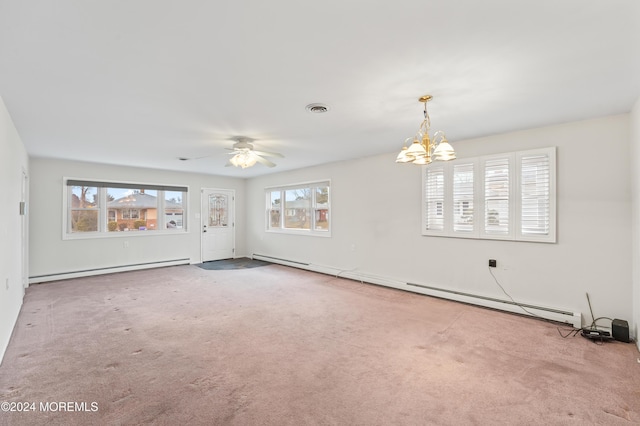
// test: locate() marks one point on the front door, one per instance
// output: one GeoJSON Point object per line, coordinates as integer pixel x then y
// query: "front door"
{"type": "Point", "coordinates": [218, 228]}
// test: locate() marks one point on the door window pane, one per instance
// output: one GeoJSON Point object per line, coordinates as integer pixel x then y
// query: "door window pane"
{"type": "Point", "coordinates": [218, 210]}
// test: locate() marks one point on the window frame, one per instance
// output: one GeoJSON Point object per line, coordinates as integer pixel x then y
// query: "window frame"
{"type": "Point", "coordinates": [103, 210]}
{"type": "Point", "coordinates": [313, 207]}
{"type": "Point", "coordinates": [516, 223]}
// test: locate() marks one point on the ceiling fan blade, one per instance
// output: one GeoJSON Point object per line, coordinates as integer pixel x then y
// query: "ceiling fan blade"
{"type": "Point", "coordinates": [269, 154]}
{"type": "Point", "coordinates": [194, 158]}
{"type": "Point", "coordinates": [264, 161]}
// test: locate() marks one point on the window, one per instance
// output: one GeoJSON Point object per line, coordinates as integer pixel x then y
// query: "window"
{"type": "Point", "coordinates": [274, 208]}
{"type": "Point", "coordinates": [302, 208]}
{"type": "Point", "coordinates": [321, 208]}
{"type": "Point", "coordinates": [497, 193]}
{"type": "Point", "coordinates": [83, 209]}
{"type": "Point", "coordinates": [131, 214]}
{"type": "Point", "coordinates": [96, 208]}
{"type": "Point", "coordinates": [297, 204]}
{"type": "Point", "coordinates": [463, 194]}
{"type": "Point", "coordinates": [434, 186]}
{"type": "Point", "coordinates": [535, 194]}
{"type": "Point", "coordinates": [507, 196]}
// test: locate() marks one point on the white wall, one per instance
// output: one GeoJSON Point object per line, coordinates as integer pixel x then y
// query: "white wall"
{"type": "Point", "coordinates": [376, 210]}
{"type": "Point", "coordinates": [13, 161]}
{"type": "Point", "coordinates": [50, 254]}
{"type": "Point", "coordinates": [635, 183]}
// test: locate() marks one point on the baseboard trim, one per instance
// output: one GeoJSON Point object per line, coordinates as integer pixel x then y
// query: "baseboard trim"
{"type": "Point", "coordinates": [553, 314]}
{"type": "Point", "coordinates": [107, 270]}
{"type": "Point", "coordinates": [278, 260]}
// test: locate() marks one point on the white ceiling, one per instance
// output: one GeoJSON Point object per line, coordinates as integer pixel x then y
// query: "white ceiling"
{"type": "Point", "coordinates": [142, 82]}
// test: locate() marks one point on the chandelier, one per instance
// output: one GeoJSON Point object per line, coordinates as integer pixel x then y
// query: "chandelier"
{"type": "Point", "coordinates": [423, 150]}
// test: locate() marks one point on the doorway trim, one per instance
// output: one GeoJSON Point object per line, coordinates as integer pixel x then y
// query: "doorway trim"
{"type": "Point", "coordinates": [24, 229]}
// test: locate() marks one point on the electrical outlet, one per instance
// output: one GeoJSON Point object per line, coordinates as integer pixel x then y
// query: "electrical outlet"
{"type": "Point", "coordinates": [7, 283]}
{"type": "Point", "coordinates": [126, 244]}
{"type": "Point", "coordinates": [493, 263]}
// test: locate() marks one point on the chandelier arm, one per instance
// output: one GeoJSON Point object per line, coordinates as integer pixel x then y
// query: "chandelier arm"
{"type": "Point", "coordinates": [439, 134]}
{"type": "Point", "coordinates": [426, 116]}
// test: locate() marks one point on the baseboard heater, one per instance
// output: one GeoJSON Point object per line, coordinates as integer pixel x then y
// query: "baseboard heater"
{"type": "Point", "coordinates": [553, 314]}
{"type": "Point", "coordinates": [277, 260]}
{"type": "Point", "coordinates": [107, 270]}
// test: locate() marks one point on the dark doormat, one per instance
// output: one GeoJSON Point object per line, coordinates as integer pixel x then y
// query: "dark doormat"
{"type": "Point", "coordinates": [239, 263]}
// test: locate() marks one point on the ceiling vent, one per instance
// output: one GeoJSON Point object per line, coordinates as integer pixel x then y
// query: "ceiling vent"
{"type": "Point", "coordinates": [317, 108]}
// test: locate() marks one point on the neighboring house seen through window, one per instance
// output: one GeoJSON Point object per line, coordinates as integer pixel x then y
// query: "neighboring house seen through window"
{"type": "Point", "coordinates": [302, 208]}
{"type": "Point", "coordinates": [96, 207]}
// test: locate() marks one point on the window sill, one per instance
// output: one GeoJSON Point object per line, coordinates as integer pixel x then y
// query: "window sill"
{"type": "Point", "coordinates": [305, 232]}
{"type": "Point", "coordinates": [120, 234]}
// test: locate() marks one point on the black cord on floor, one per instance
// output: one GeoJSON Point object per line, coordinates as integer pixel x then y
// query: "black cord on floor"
{"type": "Point", "coordinates": [572, 333]}
{"type": "Point", "coordinates": [509, 296]}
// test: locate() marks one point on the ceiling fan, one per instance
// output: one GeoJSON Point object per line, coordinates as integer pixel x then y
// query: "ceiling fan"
{"type": "Point", "coordinates": [245, 156]}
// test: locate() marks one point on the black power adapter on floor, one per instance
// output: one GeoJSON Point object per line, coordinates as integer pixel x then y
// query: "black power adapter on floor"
{"type": "Point", "coordinates": [620, 330]}
{"type": "Point", "coordinates": [596, 334]}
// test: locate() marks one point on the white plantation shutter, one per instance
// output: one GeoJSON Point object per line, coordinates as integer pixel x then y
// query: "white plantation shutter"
{"type": "Point", "coordinates": [463, 198]}
{"type": "Point", "coordinates": [510, 196]}
{"type": "Point", "coordinates": [434, 198]}
{"type": "Point", "coordinates": [497, 197]}
{"type": "Point", "coordinates": [537, 195]}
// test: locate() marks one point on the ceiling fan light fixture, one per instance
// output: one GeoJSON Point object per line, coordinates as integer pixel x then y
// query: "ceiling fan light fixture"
{"type": "Point", "coordinates": [244, 155]}
{"type": "Point", "coordinates": [243, 160]}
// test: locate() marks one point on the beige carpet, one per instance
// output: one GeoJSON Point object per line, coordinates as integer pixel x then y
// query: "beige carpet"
{"type": "Point", "coordinates": [281, 346]}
